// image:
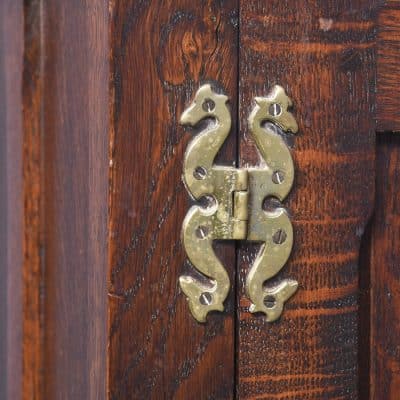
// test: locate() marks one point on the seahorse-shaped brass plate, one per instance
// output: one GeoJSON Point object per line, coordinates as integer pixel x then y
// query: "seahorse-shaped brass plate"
{"type": "Point", "coordinates": [273, 228]}
{"type": "Point", "coordinates": [202, 225]}
{"type": "Point", "coordinates": [235, 197]}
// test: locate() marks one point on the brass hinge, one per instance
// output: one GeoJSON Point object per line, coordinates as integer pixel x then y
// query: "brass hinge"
{"type": "Point", "coordinates": [232, 203]}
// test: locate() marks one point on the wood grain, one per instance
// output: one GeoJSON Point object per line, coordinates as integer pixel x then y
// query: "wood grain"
{"type": "Point", "coordinates": [75, 148]}
{"type": "Point", "coordinates": [33, 279]}
{"type": "Point", "coordinates": [388, 77]}
{"type": "Point", "coordinates": [385, 276]}
{"type": "Point", "coordinates": [161, 52]}
{"type": "Point", "coordinates": [11, 204]}
{"type": "Point", "coordinates": [78, 145]}
{"type": "Point", "coordinates": [323, 54]}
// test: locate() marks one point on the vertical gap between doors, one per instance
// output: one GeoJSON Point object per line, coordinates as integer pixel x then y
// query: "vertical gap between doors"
{"type": "Point", "coordinates": [237, 243]}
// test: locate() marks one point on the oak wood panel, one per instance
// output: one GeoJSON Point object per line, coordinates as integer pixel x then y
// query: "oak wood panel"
{"type": "Point", "coordinates": [388, 77]}
{"type": "Point", "coordinates": [323, 54]}
{"type": "Point", "coordinates": [75, 153]}
{"type": "Point", "coordinates": [385, 275]}
{"type": "Point", "coordinates": [33, 279]}
{"type": "Point", "coordinates": [161, 52]}
{"type": "Point", "coordinates": [11, 205]}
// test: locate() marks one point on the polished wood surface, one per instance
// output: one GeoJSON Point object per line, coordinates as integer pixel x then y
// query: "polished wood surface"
{"type": "Point", "coordinates": [161, 52]}
{"type": "Point", "coordinates": [11, 203]}
{"type": "Point", "coordinates": [323, 55]}
{"type": "Point", "coordinates": [388, 62]}
{"type": "Point", "coordinates": [75, 156]}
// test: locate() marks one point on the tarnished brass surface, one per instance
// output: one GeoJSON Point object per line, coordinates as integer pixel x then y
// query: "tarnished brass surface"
{"type": "Point", "coordinates": [274, 180]}
{"type": "Point", "coordinates": [217, 221]}
{"type": "Point", "coordinates": [234, 199]}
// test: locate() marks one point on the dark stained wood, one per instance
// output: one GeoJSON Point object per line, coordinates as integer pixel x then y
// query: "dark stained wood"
{"type": "Point", "coordinates": [388, 65]}
{"type": "Point", "coordinates": [75, 154]}
{"type": "Point", "coordinates": [92, 199]}
{"type": "Point", "coordinates": [161, 52]}
{"type": "Point", "coordinates": [323, 54]}
{"type": "Point", "coordinates": [11, 205]}
{"type": "Point", "coordinates": [385, 273]}
{"type": "Point", "coordinates": [364, 314]}
{"type": "Point", "coordinates": [33, 329]}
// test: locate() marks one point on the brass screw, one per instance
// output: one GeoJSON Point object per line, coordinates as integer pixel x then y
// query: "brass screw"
{"type": "Point", "coordinates": [208, 105]}
{"type": "Point", "coordinates": [206, 299]}
{"type": "Point", "coordinates": [279, 236]}
{"type": "Point", "coordinates": [269, 301]}
{"type": "Point", "coordinates": [278, 177]}
{"type": "Point", "coordinates": [199, 173]}
{"type": "Point", "coordinates": [275, 109]}
{"type": "Point", "coordinates": [201, 232]}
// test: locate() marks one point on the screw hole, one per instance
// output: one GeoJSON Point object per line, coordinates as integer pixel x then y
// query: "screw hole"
{"type": "Point", "coordinates": [278, 177]}
{"type": "Point", "coordinates": [270, 204]}
{"type": "Point", "coordinates": [200, 173]}
{"type": "Point", "coordinates": [275, 109]}
{"type": "Point", "coordinates": [206, 299]}
{"type": "Point", "coordinates": [201, 232]}
{"type": "Point", "coordinates": [279, 236]}
{"type": "Point", "coordinates": [269, 301]}
{"type": "Point", "coordinates": [208, 105]}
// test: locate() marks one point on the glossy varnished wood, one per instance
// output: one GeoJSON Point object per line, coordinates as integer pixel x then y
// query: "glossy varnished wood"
{"type": "Point", "coordinates": [385, 276]}
{"type": "Point", "coordinates": [11, 204]}
{"type": "Point", "coordinates": [161, 52]}
{"type": "Point", "coordinates": [75, 148]}
{"type": "Point", "coordinates": [388, 65]}
{"type": "Point", "coordinates": [323, 54]}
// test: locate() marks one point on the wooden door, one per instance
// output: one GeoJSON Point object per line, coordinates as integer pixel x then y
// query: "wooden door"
{"type": "Point", "coordinates": [93, 199]}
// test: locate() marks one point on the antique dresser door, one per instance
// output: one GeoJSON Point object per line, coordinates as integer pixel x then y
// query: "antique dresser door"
{"type": "Point", "coordinates": [201, 199]}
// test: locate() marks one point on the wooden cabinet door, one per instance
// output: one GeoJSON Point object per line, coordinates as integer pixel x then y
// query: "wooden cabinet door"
{"type": "Point", "coordinates": [93, 199]}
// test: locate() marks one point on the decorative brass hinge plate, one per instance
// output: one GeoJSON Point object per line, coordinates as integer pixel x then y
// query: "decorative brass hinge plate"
{"type": "Point", "coordinates": [234, 199]}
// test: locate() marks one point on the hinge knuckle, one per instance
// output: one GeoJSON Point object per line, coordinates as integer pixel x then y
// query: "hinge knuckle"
{"type": "Point", "coordinates": [242, 179]}
{"type": "Point", "coordinates": [240, 205]}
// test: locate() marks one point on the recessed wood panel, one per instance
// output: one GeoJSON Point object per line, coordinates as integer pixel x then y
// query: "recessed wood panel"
{"type": "Point", "coordinates": [385, 276]}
